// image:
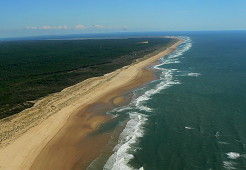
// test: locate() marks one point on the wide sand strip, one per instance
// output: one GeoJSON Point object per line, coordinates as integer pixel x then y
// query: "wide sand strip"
{"type": "Point", "coordinates": [22, 149]}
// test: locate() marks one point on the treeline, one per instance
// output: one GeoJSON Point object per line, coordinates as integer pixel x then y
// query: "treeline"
{"type": "Point", "coordinates": [32, 69]}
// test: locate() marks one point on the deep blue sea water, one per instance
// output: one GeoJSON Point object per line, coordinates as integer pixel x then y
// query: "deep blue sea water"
{"type": "Point", "coordinates": [194, 115]}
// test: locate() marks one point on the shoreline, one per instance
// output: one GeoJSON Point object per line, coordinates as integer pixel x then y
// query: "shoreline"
{"type": "Point", "coordinates": [30, 149]}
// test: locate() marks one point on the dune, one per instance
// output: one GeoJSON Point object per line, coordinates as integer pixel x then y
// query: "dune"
{"type": "Point", "coordinates": [55, 132]}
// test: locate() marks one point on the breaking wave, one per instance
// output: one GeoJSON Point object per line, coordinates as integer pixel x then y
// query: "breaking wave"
{"type": "Point", "coordinates": [139, 111]}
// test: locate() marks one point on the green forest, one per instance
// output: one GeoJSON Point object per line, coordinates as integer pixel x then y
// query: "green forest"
{"type": "Point", "coordinates": [30, 70]}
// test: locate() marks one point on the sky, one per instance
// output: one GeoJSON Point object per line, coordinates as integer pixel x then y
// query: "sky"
{"type": "Point", "coordinates": [53, 17]}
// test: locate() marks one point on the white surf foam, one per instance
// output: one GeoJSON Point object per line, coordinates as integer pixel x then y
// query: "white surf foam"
{"type": "Point", "coordinates": [229, 164]}
{"type": "Point", "coordinates": [165, 82]}
{"type": "Point", "coordinates": [233, 155]}
{"type": "Point", "coordinates": [135, 126]}
{"type": "Point", "coordinates": [217, 134]}
{"type": "Point", "coordinates": [189, 128]}
{"type": "Point", "coordinates": [223, 143]}
{"type": "Point", "coordinates": [133, 131]}
{"type": "Point", "coordinates": [122, 109]}
{"type": "Point", "coordinates": [194, 74]}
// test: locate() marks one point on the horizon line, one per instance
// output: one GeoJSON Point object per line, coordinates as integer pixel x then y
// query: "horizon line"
{"type": "Point", "coordinates": [29, 37]}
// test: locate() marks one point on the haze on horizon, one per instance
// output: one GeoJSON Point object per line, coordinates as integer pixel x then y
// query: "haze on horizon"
{"type": "Point", "coordinates": [52, 17]}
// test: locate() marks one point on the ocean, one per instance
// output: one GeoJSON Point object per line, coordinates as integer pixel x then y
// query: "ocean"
{"type": "Point", "coordinates": [193, 116]}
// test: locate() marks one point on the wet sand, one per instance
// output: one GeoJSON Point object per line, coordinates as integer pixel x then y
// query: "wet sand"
{"type": "Point", "coordinates": [74, 145]}
{"type": "Point", "coordinates": [64, 140]}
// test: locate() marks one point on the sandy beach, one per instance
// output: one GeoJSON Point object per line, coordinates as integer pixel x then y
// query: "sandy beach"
{"type": "Point", "coordinates": [56, 132]}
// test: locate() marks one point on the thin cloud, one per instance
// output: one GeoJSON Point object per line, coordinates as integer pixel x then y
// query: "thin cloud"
{"type": "Point", "coordinates": [77, 27]}
{"type": "Point", "coordinates": [32, 28]}
{"type": "Point", "coordinates": [80, 27]}
{"type": "Point", "coordinates": [48, 28]}
{"type": "Point", "coordinates": [98, 26]}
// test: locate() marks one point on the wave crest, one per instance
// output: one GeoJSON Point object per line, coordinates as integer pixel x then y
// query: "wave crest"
{"type": "Point", "coordinates": [138, 110]}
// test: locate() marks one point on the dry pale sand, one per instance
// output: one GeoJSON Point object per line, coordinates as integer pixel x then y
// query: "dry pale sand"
{"type": "Point", "coordinates": [54, 133]}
